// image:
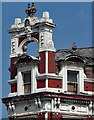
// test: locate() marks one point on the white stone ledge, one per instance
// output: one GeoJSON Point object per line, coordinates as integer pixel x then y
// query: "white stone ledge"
{"type": "Point", "coordinates": [12, 94]}
{"type": "Point", "coordinates": [12, 81]}
{"type": "Point", "coordinates": [89, 80]}
{"type": "Point", "coordinates": [48, 76]}
{"type": "Point", "coordinates": [56, 90]}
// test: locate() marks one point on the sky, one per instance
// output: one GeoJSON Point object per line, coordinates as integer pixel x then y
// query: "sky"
{"type": "Point", "coordinates": [73, 24]}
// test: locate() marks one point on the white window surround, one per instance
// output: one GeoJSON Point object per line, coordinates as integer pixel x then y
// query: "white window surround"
{"type": "Point", "coordinates": [72, 67]}
{"type": "Point", "coordinates": [20, 83]}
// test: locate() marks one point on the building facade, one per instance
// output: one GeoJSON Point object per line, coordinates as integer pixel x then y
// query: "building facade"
{"type": "Point", "coordinates": [56, 84]}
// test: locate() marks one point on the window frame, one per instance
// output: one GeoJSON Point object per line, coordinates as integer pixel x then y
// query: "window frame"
{"type": "Point", "coordinates": [72, 82]}
{"type": "Point", "coordinates": [26, 83]}
{"type": "Point", "coordinates": [73, 67]}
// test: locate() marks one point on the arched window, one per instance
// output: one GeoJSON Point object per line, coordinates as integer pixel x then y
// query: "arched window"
{"type": "Point", "coordinates": [27, 22]}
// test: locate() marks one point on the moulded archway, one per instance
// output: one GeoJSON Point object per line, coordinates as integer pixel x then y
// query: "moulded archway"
{"type": "Point", "coordinates": [25, 42]}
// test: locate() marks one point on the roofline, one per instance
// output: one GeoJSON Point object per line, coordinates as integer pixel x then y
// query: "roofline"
{"type": "Point", "coordinates": [77, 48]}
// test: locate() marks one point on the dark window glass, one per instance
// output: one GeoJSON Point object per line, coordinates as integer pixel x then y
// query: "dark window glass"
{"type": "Point", "coordinates": [72, 76]}
{"type": "Point", "coordinates": [27, 82]}
{"type": "Point", "coordinates": [72, 81]}
{"type": "Point", "coordinates": [27, 23]}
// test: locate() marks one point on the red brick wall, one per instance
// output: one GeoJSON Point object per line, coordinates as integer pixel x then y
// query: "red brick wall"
{"type": "Point", "coordinates": [14, 88]}
{"type": "Point", "coordinates": [20, 40]}
{"type": "Point", "coordinates": [58, 117]}
{"type": "Point", "coordinates": [53, 83]}
{"type": "Point", "coordinates": [54, 116]}
{"type": "Point", "coordinates": [13, 69]}
{"type": "Point", "coordinates": [88, 86]}
{"type": "Point", "coordinates": [51, 62]}
{"type": "Point", "coordinates": [41, 83]}
{"type": "Point", "coordinates": [42, 62]}
{"type": "Point", "coordinates": [41, 117]}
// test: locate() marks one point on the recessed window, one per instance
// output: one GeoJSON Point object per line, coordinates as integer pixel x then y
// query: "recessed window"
{"type": "Point", "coordinates": [27, 23]}
{"type": "Point", "coordinates": [26, 108]}
{"type": "Point", "coordinates": [72, 77]}
{"type": "Point", "coordinates": [27, 82]}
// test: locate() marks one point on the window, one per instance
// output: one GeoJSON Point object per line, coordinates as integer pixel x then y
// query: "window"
{"type": "Point", "coordinates": [27, 82]}
{"type": "Point", "coordinates": [72, 81]}
{"type": "Point", "coordinates": [27, 23]}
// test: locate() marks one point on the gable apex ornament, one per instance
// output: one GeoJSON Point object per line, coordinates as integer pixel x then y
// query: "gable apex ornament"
{"type": "Point", "coordinates": [74, 47]}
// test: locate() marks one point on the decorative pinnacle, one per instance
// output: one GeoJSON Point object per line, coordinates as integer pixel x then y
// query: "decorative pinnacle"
{"type": "Point", "coordinates": [28, 10]}
{"type": "Point", "coordinates": [74, 47]}
{"type": "Point", "coordinates": [33, 9]}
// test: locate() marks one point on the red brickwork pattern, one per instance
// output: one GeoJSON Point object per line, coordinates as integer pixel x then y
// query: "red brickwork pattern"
{"type": "Point", "coordinates": [14, 88]}
{"type": "Point", "coordinates": [13, 69]}
{"type": "Point", "coordinates": [42, 62]}
{"type": "Point", "coordinates": [51, 62]}
{"type": "Point", "coordinates": [53, 83]}
{"type": "Point", "coordinates": [88, 86]}
{"type": "Point", "coordinates": [41, 83]}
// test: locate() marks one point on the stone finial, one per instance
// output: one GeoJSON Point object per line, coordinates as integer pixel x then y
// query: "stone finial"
{"type": "Point", "coordinates": [46, 15]}
{"type": "Point", "coordinates": [17, 20]}
{"type": "Point", "coordinates": [33, 9]}
{"type": "Point", "coordinates": [28, 10]}
{"type": "Point", "coordinates": [74, 47]}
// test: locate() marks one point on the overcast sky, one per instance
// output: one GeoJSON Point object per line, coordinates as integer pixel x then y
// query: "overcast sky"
{"type": "Point", "coordinates": [73, 24]}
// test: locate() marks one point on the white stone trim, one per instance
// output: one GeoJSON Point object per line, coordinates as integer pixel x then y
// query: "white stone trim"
{"type": "Point", "coordinates": [34, 71]}
{"type": "Point", "coordinates": [52, 105]}
{"type": "Point", "coordinates": [12, 94]}
{"type": "Point", "coordinates": [47, 107]}
{"type": "Point", "coordinates": [28, 39]}
{"type": "Point", "coordinates": [76, 117]}
{"type": "Point", "coordinates": [33, 116]}
{"type": "Point", "coordinates": [33, 79]}
{"type": "Point", "coordinates": [20, 84]}
{"type": "Point", "coordinates": [55, 90]}
{"type": "Point", "coordinates": [15, 46]}
{"type": "Point", "coordinates": [32, 82]}
{"type": "Point", "coordinates": [46, 115]}
{"type": "Point", "coordinates": [46, 83]}
{"type": "Point", "coordinates": [25, 68]}
{"type": "Point", "coordinates": [49, 75]}
{"type": "Point", "coordinates": [48, 50]}
{"type": "Point", "coordinates": [45, 39]}
{"type": "Point", "coordinates": [80, 80]}
{"type": "Point", "coordinates": [91, 80]}
{"type": "Point", "coordinates": [72, 67]}
{"type": "Point", "coordinates": [87, 92]}
{"type": "Point", "coordinates": [12, 81]}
